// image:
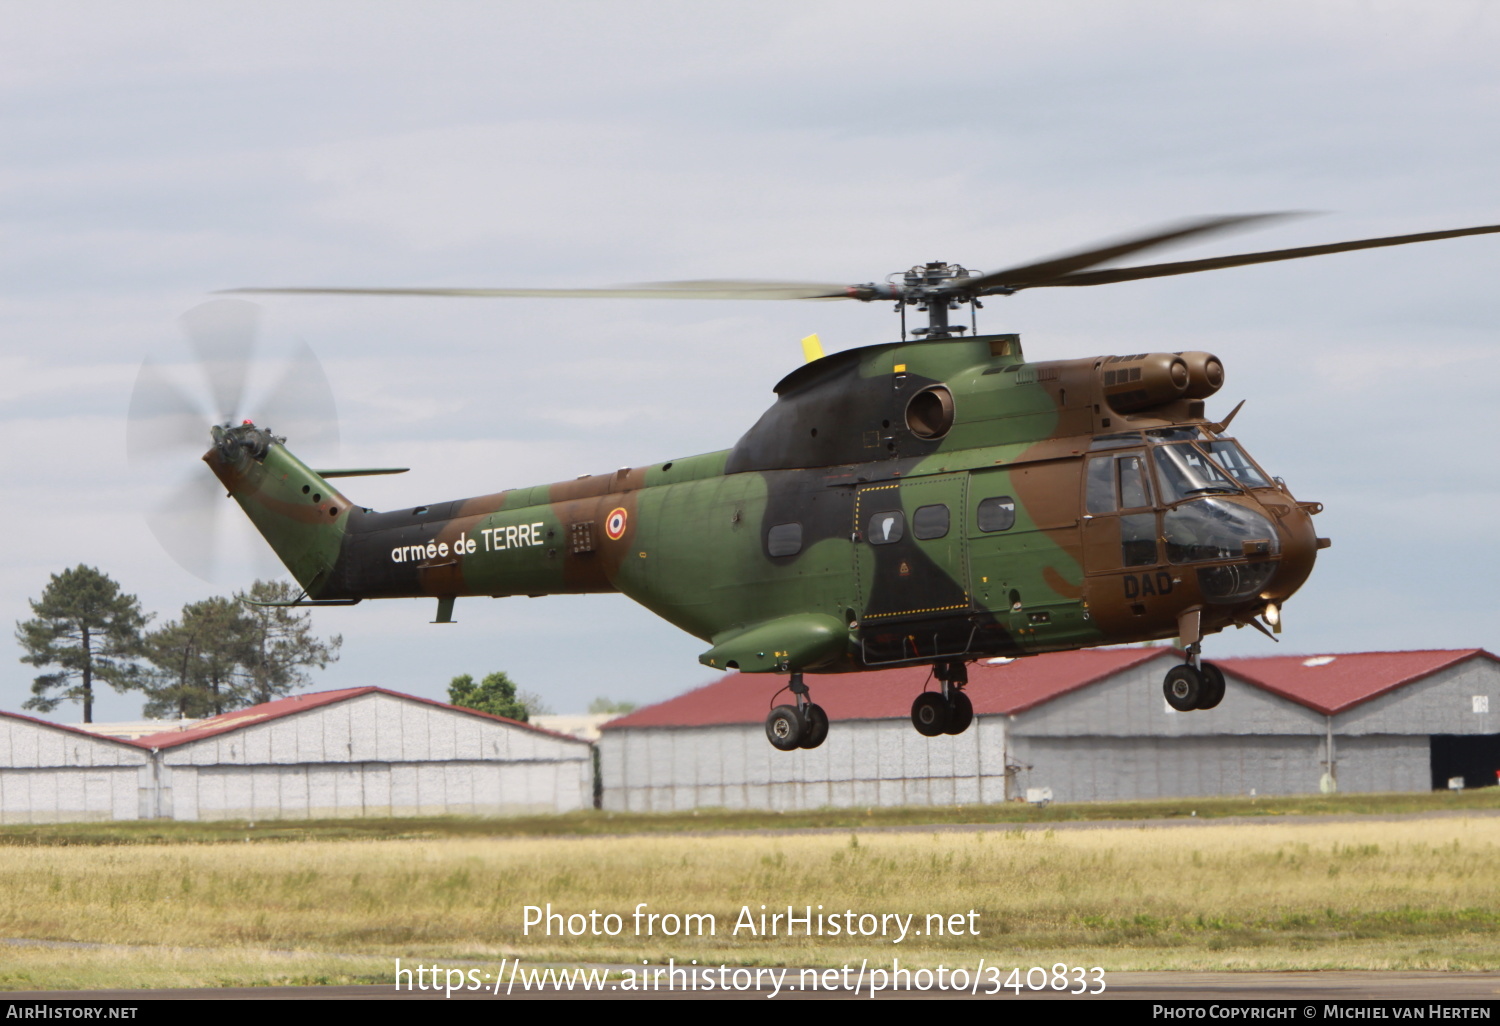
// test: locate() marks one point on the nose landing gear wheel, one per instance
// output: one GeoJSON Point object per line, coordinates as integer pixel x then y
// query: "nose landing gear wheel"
{"type": "Point", "coordinates": [784, 728]}
{"type": "Point", "coordinates": [1213, 686]}
{"type": "Point", "coordinates": [960, 713]}
{"type": "Point", "coordinates": [930, 714]}
{"type": "Point", "coordinates": [814, 726]}
{"type": "Point", "coordinates": [1183, 688]}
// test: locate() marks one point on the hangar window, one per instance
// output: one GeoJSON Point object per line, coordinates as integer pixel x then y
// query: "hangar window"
{"type": "Point", "coordinates": [784, 540]}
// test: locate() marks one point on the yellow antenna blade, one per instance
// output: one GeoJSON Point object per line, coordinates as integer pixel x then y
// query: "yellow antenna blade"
{"type": "Point", "coordinates": [812, 349]}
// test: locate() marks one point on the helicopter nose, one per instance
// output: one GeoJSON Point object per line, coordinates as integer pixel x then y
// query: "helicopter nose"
{"type": "Point", "coordinates": [1299, 548]}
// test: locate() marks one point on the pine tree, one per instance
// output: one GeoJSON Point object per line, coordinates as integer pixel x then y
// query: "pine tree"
{"type": "Point", "coordinates": [200, 661]}
{"type": "Point", "coordinates": [282, 642]}
{"type": "Point", "coordinates": [91, 631]}
{"type": "Point", "coordinates": [227, 653]}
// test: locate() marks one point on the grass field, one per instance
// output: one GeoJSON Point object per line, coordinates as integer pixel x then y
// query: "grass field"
{"type": "Point", "coordinates": [591, 823]}
{"type": "Point", "coordinates": [1278, 894]}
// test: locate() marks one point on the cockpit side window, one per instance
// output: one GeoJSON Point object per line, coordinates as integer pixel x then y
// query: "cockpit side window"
{"type": "Point", "coordinates": [1100, 492]}
{"type": "Point", "coordinates": [1117, 482]}
{"type": "Point", "coordinates": [1134, 491]}
{"type": "Point", "coordinates": [1232, 458]}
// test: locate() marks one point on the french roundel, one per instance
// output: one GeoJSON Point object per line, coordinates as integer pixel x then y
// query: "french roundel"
{"type": "Point", "coordinates": [615, 525]}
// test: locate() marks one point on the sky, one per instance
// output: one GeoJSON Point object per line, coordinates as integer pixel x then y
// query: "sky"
{"type": "Point", "coordinates": [153, 153]}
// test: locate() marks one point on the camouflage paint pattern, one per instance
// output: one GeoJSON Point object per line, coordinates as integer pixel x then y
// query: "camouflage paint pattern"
{"type": "Point", "coordinates": [900, 503]}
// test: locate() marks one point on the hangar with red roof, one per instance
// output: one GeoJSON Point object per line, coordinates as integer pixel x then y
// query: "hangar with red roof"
{"type": "Point", "coordinates": [50, 773]}
{"type": "Point", "coordinates": [355, 752]}
{"type": "Point", "coordinates": [1087, 726]}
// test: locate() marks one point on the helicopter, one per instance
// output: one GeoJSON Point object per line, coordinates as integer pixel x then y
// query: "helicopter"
{"type": "Point", "coordinates": [933, 500]}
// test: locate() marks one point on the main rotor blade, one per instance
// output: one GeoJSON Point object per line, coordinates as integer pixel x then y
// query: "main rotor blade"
{"type": "Point", "coordinates": [647, 290]}
{"type": "Point", "coordinates": [222, 333]}
{"type": "Point", "coordinates": [1107, 277]}
{"type": "Point", "coordinates": [1027, 274]}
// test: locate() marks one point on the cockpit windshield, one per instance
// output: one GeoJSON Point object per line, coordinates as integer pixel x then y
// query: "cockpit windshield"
{"type": "Point", "coordinates": [1186, 473]}
{"type": "Point", "coordinates": [1232, 458]}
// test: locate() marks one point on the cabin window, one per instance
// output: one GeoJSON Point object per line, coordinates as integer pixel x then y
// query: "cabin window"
{"type": "Point", "coordinates": [996, 514]}
{"type": "Point", "coordinates": [886, 528]}
{"type": "Point", "coordinates": [784, 540]}
{"type": "Point", "coordinates": [930, 522]}
{"type": "Point", "coordinates": [1138, 539]}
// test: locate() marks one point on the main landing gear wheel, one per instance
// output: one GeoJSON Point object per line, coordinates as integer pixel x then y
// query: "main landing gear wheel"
{"type": "Point", "coordinates": [784, 728]}
{"type": "Point", "coordinates": [960, 712]}
{"type": "Point", "coordinates": [1183, 688]}
{"type": "Point", "coordinates": [804, 725]}
{"type": "Point", "coordinates": [814, 726]}
{"type": "Point", "coordinates": [930, 714]}
{"type": "Point", "coordinates": [1213, 686]}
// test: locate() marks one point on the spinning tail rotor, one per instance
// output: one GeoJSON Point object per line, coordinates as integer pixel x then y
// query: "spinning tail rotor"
{"type": "Point", "coordinates": [176, 414]}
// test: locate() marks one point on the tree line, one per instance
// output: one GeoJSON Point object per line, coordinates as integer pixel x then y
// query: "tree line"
{"type": "Point", "coordinates": [220, 654]}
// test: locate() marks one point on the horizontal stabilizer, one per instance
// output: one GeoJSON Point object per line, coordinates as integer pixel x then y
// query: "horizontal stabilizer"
{"type": "Point", "coordinates": [364, 472]}
{"type": "Point", "coordinates": [303, 602]}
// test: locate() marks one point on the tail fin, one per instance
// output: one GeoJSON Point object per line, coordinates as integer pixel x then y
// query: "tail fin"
{"type": "Point", "coordinates": [297, 511]}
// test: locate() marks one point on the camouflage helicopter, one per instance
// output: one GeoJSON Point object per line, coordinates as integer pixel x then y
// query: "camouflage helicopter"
{"type": "Point", "coordinates": [928, 501]}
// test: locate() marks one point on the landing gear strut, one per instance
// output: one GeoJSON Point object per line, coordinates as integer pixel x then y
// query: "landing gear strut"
{"type": "Point", "coordinates": [1194, 684]}
{"type": "Point", "coordinates": [948, 711]}
{"type": "Point", "coordinates": [803, 725]}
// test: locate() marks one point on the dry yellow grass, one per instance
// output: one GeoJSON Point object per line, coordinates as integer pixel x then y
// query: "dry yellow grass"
{"type": "Point", "coordinates": [1417, 894]}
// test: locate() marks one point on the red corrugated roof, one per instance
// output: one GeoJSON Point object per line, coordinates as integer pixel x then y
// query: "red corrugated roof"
{"type": "Point", "coordinates": [301, 703]}
{"type": "Point", "coordinates": [1332, 683]}
{"type": "Point", "coordinates": [72, 730]}
{"type": "Point", "coordinates": [888, 694]}
{"type": "Point", "coordinates": [1327, 684]}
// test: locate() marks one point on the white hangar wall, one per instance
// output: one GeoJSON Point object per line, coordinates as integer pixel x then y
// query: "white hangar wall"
{"type": "Point", "coordinates": [51, 774]}
{"type": "Point", "coordinates": [1118, 740]}
{"type": "Point", "coordinates": [1112, 739]}
{"type": "Point", "coordinates": [863, 763]}
{"type": "Point", "coordinates": [1130, 704]}
{"type": "Point", "coordinates": [1442, 703]}
{"type": "Point", "coordinates": [376, 754]}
